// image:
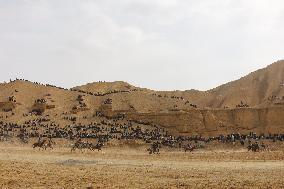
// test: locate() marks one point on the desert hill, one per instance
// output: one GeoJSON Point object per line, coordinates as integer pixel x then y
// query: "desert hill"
{"type": "Point", "coordinates": [103, 87]}
{"type": "Point", "coordinates": [259, 96]}
{"type": "Point", "coordinates": [258, 89]}
{"type": "Point", "coordinates": [261, 88]}
{"type": "Point", "coordinates": [130, 98]}
{"type": "Point", "coordinates": [254, 89]}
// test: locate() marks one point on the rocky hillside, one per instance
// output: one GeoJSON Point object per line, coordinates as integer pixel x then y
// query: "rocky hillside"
{"type": "Point", "coordinates": [250, 99]}
{"type": "Point", "coordinates": [264, 87]}
{"type": "Point", "coordinates": [256, 89]}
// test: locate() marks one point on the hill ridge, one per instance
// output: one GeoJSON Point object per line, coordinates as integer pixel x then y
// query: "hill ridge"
{"type": "Point", "coordinates": [253, 89]}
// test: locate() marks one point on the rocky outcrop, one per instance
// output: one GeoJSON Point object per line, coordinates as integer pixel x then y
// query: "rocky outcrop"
{"type": "Point", "coordinates": [215, 122]}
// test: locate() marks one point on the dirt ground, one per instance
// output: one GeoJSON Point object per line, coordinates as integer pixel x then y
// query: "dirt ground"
{"type": "Point", "coordinates": [125, 167]}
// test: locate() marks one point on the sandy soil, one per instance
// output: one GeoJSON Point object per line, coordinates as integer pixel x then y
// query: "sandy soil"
{"type": "Point", "coordinates": [23, 167]}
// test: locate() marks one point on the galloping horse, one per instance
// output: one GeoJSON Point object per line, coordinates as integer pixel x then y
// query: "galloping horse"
{"type": "Point", "coordinates": [49, 144]}
{"type": "Point", "coordinates": [188, 148]}
{"type": "Point", "coordinates": [154, 148]}
{"type": "Point", "coordinates": [40, 144]}
{"type": "Point", "coordinates": [98, 146]}
{"type": "Point", "coordinates": [254, 147]}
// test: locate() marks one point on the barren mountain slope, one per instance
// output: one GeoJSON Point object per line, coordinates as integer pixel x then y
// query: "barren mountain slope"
{"type": "Point", "coordinates": [127, 97]}
{"type": "Point", "coordinates": [19, 98]}
{"type": "Point", "coordinates": [261, 88]}
{"type": "Point", "coordinates": [253, 89]}
{"type": "Point", "coordinates": [25, 94]}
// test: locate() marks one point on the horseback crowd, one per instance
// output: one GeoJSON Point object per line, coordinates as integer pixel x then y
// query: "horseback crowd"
{"type": "Point", "coordinates": [120, 129]}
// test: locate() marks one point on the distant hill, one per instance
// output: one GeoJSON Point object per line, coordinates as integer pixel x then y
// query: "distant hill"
{"type": "Point", "coordinates": [254, 89]}
{"type": "Point", "coordinates": [261, 88]}
{"type": "Point", "coordinates": [106, 87]}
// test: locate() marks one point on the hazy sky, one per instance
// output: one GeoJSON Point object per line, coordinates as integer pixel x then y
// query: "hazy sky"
{"type": "Point", "coordinates": [158, 44]}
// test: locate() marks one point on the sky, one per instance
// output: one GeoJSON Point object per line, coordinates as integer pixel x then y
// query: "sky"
{"type": "Point", "coordinates": [158, 44]}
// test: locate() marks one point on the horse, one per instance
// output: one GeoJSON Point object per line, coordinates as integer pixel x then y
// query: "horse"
{"type": "Point", "coordinates": [188, 148]}
{"type": "Point", "coordinates": [98, 146]}
{"type": "Point", "coordinates": [77, 145]}
{"type": "Point", "coordinates": [154, 148]}
{"type": "Point", "coordinates": [40, 144]}
{"type": "Point", "coordinates": [49, 144]}
{"type": "Point", "coordinates": [80, 145]}
{"type": "Point", "coordinates": [253, 147]}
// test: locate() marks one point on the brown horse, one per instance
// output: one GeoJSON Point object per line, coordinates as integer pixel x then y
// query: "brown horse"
{"type": "Point", "coordinates": [254, 147]}
{"type": "Point", "coordinates": [188, 148]}
{"type": "Point", "coordinates": [97, 146]}
{"type": "Point", "coordinates": [40, 144]}
{"type": "Point", "coordinates": [49, 144]}
{"type": "Point", "coordinates": [80, 145]}
{"type": "Point", "coordinates": [154, 148]}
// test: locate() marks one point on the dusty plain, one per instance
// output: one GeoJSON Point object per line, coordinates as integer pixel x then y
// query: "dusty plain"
{"type": "Point", "coordinates": [133, 167]}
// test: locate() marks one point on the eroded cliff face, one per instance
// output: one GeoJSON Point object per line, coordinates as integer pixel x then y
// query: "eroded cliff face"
{"type": "Point", "coordinates": [215, 122]}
